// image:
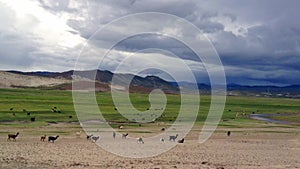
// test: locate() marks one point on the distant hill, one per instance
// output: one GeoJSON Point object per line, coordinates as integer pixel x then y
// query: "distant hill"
{"type": "Point", "coordinates": [103, 82]}
{"type": "Point", "coordinates": [266, 91]}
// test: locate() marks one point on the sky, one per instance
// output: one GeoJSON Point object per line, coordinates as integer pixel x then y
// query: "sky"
{"type": "Point", "coordinates": [257, 41]}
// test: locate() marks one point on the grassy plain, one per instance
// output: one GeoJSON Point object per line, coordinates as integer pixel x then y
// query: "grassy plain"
{"type": "Point", "coordinates": [40, 102]}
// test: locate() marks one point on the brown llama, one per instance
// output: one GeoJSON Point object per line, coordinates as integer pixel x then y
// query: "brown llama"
{"type": "Point", "coordinates": [43, 138]}
{"type": "Point", "coordinates": [12, 136]}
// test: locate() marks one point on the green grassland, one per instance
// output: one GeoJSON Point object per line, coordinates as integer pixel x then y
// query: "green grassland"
{"type": "Point", "coordinates": [40, 102]}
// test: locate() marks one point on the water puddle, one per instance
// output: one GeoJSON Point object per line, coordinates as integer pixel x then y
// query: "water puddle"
{"type": "Point", "coordinates": [266, 117]}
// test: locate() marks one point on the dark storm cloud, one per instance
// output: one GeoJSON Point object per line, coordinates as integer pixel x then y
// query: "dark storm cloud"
{"type": "Point", "coordinates": [271, 48]}
{"type": "Point", "coordinates": [258, 41]}
{"type": "Point", "coordinates": [144, 41]}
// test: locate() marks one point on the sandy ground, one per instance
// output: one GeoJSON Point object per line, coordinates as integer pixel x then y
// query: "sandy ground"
{"type": "Point", "coordinates": [8, 80]}
{"type": "Point", "coordinates": [278, 148]}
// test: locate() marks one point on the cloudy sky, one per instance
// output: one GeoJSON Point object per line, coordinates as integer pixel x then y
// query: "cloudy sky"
{"type": "Point", "coordinates": [258, 41]}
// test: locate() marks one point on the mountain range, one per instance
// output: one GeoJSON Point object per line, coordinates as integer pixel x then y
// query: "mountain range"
{"type": "Point", "coordinates": [104, 80]}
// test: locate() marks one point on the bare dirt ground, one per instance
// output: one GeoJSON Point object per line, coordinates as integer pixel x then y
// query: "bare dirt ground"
{"type": "Point", "coordinates": [245, 149]}
{"type": "Point", "coordinates": [8, 80]}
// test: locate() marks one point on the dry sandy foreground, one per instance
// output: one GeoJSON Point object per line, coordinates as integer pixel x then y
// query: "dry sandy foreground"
{"type": "Point", "coordinates": [241, 150]}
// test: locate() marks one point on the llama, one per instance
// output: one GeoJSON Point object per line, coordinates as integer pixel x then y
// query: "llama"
{"type": "Point", "coordinates": [32, 119]}
{"type": "Point", "coordinates": [228, 133]}
{"type": "Point", "coordinates": [78, 133]}
{"type": "Point", "coordinates": [52, 138]}
{"type": "Point", "coordinates": [181, 141]}
{"type": "Point", "coordinates": [88, 137]}
{"type": "Point", "coordinates": [95, 138]}
{"type": "Point", "coordinates": [173, 138]}
{"type": "Point", "coordinates": [43, 138]}
{"type": "Point", "coordinates": [124, 135]}
{"type": "Point", "coordinates": [140, 140]}
{"type": "Point", "coordinates": [13, 136]}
